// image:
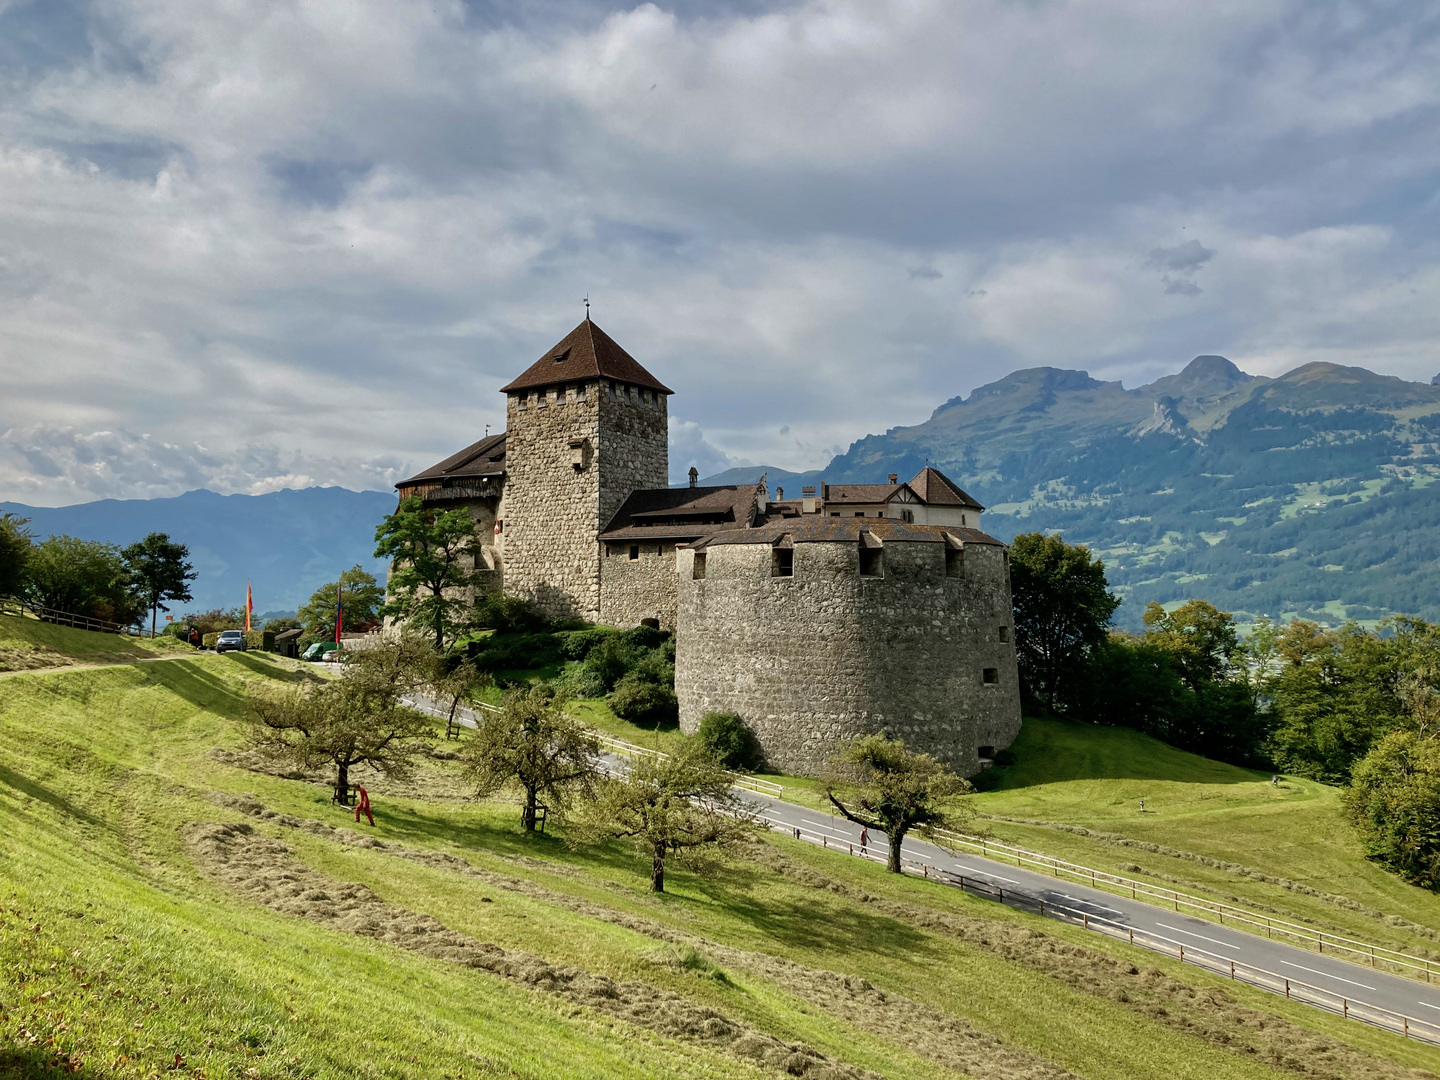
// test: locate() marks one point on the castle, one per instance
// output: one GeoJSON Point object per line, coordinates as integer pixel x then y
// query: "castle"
{"type": "Point", "coordinates": [852, 609]}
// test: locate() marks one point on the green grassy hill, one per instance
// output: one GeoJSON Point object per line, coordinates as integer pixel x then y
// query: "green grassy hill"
{"type": "Point", "coordinates": [28, 643]}
{"type": "Point", "coordinates": [1222, 831]}
{"type": "Point", "coordinates": [164, 911]}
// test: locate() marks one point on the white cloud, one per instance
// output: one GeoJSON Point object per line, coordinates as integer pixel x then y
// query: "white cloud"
{"type": "Point", "coordinates": [317, 237]}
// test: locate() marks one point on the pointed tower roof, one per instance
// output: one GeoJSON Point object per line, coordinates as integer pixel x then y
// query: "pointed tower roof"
{"type": "Point", "coordinates": [937, 489]}
{"type": "Point", "coordinates": [587, 352]}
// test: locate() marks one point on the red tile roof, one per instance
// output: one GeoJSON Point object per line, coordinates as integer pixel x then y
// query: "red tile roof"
{"type": "Point", "coordinates": [484, 458]}
{"type": "Point", "coordinates": [937, 489]}
{"type": "Point", "coordinates": [587, 352]}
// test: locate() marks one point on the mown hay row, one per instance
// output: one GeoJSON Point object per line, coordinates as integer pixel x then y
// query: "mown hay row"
{"type": "Point", "coordinates": [264, 871]}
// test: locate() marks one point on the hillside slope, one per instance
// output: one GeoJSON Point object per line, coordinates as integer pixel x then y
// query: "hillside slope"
{"type": "Point", "coordinates": [1302, 495]}
{"type": "Point", "coordinates": [165, 909]}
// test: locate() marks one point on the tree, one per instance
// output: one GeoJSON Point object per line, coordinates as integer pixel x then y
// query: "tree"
{"type": "Point", "coordinates": [357, 719]}
{"type": "Point", "coordinates": [14, 554]}
{"type": "Point", "coordinates": [534, 745]}
{"type": "Point", "coordinates": [362, 600]}
{"type": "Point", "coordinates": [159, 572]}
{"type": "Point", "coordinates": [678, 806]}
{"type": "Point", "coordinates": [453, 687]}
{"type": "Point", "coordinates": [878, 784]}
{"type": "Point", "coordinates": [82, 577]}
{"type": "Point", "coordinates": [1062, 611]}
{"type": "Point", "coordinates": [1199, 636]}
{"type": "Point", "coordinates": [1394, 803]}
{"type": "Point", "coordinates": [731, 740]}
{"type": "Point", "coordinates": [435, 566]}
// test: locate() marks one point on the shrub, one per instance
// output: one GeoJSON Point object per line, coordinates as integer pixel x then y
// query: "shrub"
{"type": "Point", "coordinates": [730, 740]}
{"type": "Point", "coordinates": [645, 637]}
{"type": "Point", "coordinates": [611, 659]}
{"type": "Point", "coordinates": [578, 681]}
{"type": "Point", "coordinates": [508, 614]}
{"type": "Point", "coordinates": [644, 702]}
{"type": "Point", "coordinates": [515, 652]}
{"type": "Point", "coordinates": [576, 644]}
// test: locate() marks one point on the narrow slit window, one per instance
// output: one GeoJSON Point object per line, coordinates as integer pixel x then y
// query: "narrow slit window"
{"type": "Point", "coordinates": [634, 552]}
{"type": "Point", "coordinates": [698, 571]}
{"type": "Point", "coordinates": [1004, 634]}
{"type": "Point", "coordinates": [872, 562]}
{"type": "Point", "coordinates": [954, 563]}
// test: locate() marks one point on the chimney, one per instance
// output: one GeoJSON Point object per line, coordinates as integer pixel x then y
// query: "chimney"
{"type": "Point", "coordinates": [894, 478]}
{"type": "Point", "coordinates": [779, 494]}
{"type": "Point", "coordinates": [694, 476]}
{"type": "Point", "coordinates": [807, 501]}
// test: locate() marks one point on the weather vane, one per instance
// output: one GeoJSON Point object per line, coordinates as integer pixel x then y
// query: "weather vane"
{"type": "Point", "coordinates": [587, 307]}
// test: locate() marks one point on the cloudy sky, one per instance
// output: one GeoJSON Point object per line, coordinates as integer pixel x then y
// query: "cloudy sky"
{"type": "Point", "coordinates": [252, 244]}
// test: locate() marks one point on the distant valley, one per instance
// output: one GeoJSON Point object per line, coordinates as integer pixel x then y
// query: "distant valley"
{"type": "Point", "coordinates": [1306, 495]}
{"type": "Point", "coordinates": [285, 543]}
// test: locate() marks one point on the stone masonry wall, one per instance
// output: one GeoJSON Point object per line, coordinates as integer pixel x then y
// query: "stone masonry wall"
{"type": "Point", "coordinates": [639, 588]}
{"type": "Point", "coordinates": [810, 660]}
{"type": "Point", "coordinates": [558, 496]}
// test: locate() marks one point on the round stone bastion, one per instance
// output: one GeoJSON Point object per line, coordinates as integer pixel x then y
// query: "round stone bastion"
{"type": "Point", "coordinates": [818, 629]}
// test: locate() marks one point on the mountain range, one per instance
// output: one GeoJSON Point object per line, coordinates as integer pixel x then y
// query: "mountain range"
{"type": "Point", "coordinates": [1305, 495]}
{"type": "Point", "coordinates": [1309, 495]}
{"type": "Point", "coordinates": [285, 544]}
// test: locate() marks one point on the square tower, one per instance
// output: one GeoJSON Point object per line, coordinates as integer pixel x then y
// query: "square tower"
{"type": "Point", "coordinates": [585, 426]}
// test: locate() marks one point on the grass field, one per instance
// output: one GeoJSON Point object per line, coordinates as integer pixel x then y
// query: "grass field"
{"type": "Point", "coordinates": [164, 912]}
{"type": "Point", "coordinates": [1198, 814]}
{"type": "Point", "coordinates": [27, 644]}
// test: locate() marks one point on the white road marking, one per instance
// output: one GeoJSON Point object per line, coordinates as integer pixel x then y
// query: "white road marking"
{"type": "Point", "coordinates": [986, 873]}
{"type": "Point", "coordinates": [1091, 903]}
{"type": "Point", "coordinates": [1427, 1005]}
{"type": "Point", "coordinates": [1202, 937]}
{"type": "Point", "coordinates": [1316, 971]}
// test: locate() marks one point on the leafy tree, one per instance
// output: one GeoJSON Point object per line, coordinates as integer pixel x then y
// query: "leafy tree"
{"type": "Point", "coordinates": [215, 620]}
{"type": "Point", "coordinates": [159, 571]}
{"type": "Point", "coordinates": [730, 740]}
{"type": "Point", "coordinates": [363, 599]}
{"type": "Point", "coordinates": [1198, 636]}
{"type": "Point", "coordinates": [1394, 803]}
{"type": "Point", "coordinates": [534, 745]}
{"type": "Point", "coordinates": [1062, 611]}
{"type": "Point", "coordinates": [82, 577]}
{"type": "Point", "coordinates": [680, 806]}
{"type": "Point", "coordinates": [879, 784]}
{"type": "Point", "coordinates": [357, 719]}
{"type": "Point", "coordinates": [455, 686]}
{"type": "Point", "coordinates": [14, 554]}
{"type": "Point", "coordinates": [435, 567]}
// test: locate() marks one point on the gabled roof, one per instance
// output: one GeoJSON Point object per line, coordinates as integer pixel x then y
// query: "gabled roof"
{"type": "Point", "coordinates": [587, 352]}
{"type": "Point", "coordinates": [860, 493]}
{"type": "Point", "coordinates": [814, 529]}
{"type": "Point", "coordinates": [667, 513]}
{"type": "Point", "coordinates": [937, 489]}
{"type": "Point", "coordinates": [484, 458]}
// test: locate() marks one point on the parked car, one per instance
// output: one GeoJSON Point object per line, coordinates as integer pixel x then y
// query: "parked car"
{"type": "Point", "coordinates": [321, 650]}
{"type": "Point", "coordinates": [231, 641]}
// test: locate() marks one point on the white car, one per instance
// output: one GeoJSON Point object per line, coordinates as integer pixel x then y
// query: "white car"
{"type": "Point", "coordinates": [230, 641]}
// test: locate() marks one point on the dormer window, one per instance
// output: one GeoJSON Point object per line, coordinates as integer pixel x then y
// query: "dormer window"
{"type": "Point", "coordinates": [561, 356]}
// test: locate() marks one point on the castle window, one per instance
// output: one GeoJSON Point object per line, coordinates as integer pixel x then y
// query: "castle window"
{"type": "Point", "coordinates": [782, 562]}
{"type": "Point", "coordinates": [908, 516]}
{"type": "Point", "coordinates": [990, 676]}
{"type": "Point", "coordinates": [580, 391]}
{"type": "Point", "coordinates": [872, 562]}
{"type": "Point", "coordinates": [697, 572]}
{"type": "Point", "coordinates": [962, 521]}
{"type": "Point", "coordinates": [859, 513]}
{"type": "Point", "coordinates": [834, 513]}
{"type": "Point", "coordinates": [1004, 633]}
{"type": "Point", "coordinates": [986, 753]}
{"type": "Point", "coordinates": [954, 562]}
{"type": "Point", "coordinates": [521, 402]}
{"type": "Point", "coordinates": [634, 552]}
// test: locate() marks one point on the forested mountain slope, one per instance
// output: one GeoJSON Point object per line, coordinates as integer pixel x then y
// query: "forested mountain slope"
{"type": "Point", "coordinates": [1308, 495]}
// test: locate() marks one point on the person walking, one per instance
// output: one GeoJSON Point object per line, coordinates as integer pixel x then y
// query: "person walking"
{"type": "Point", "coordinates": [195, 638]}
{"type": "Point", "coordinates": [864, 840]}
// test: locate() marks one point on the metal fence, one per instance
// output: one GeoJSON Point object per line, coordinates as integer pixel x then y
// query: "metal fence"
{"type": "Point", "coordinates": [1376, 956]}
{"type": "Point", "coordinates": [1351, 1008]}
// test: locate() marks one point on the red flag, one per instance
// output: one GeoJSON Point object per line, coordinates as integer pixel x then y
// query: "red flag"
{"type": "Point", "coordinates": [249, 606]}
{"type": "Point", "coordinates": [339, 618]}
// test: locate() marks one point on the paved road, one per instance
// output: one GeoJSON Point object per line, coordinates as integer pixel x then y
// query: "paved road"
{"type": "Point", "coordinates": [1221, 944]}
{"type": "Point", "coordinates": [1395, 992]}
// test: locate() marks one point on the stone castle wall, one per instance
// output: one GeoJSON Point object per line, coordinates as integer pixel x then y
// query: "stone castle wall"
{"type": "Point", "coordinates": [573, 454]}
{"type": "Point", "coordinates": [810, 660]}
{"type": "Point", "coordinates": [638, 588]}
